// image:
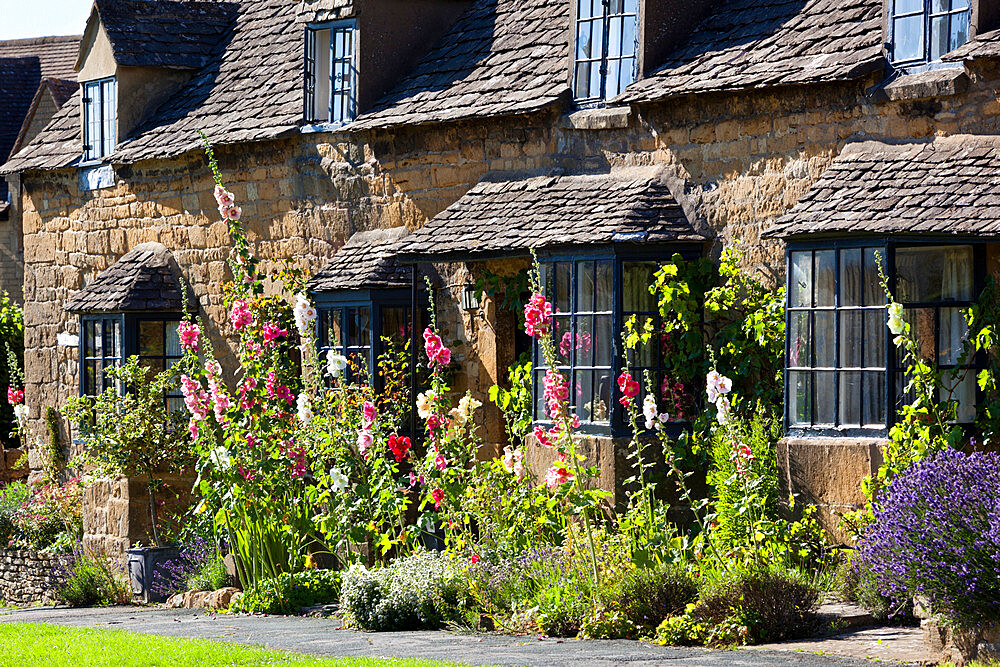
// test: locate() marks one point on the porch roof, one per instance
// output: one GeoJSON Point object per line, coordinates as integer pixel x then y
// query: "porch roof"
{"type": "Point", "coordinates": [144, 279]}
{"type": "Point", "coordinates": [366, 261]}
{"type": "Point", "coordinates": [506, 216]}
{"type": "Point", "coordinates": [948, 186]}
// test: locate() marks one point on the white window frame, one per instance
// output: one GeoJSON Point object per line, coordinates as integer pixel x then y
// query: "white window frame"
{"type": "Point", "coordinates": [100, 118]}
{"type": "Point", "coordinates": [331, 77]}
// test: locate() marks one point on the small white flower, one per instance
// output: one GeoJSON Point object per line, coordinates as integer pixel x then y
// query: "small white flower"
{"type": "Point", "coordinates": [221, 458]}
{"type": "Point", "coordinates": [304, 409]}
{"type": "Point", "coordinates": [508, 459]}
{"type": "Point", "coordinates": [896, 322]}
{"type": "Point", "coordinates": [717, 385]}
{"type": "Point", "coordinates": [467, 405]}
{"type": "Point", "coordinates": [338, 480]}
{"type": "Point", "coordinates": [21, 412]}
{"type": "Point", "coordinates": [305, 314]}
{"type": "Point", "coordinates": [649, 410]}
{"type": "Point", "coordinates": [722, 405]}
{"type": "Point", "coordinates": [335, 363]}
{"type": "Point", "coordinates": [425, 404]}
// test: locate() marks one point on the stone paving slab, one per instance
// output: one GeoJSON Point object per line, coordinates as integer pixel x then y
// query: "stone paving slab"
{"type": "Point", "coordinates": [327, 637]}
{"type": "Point", "coordinates": [900, 645]}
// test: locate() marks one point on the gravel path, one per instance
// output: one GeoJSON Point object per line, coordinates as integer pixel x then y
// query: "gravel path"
{"type": "Point", "coordinates": [327, 637]}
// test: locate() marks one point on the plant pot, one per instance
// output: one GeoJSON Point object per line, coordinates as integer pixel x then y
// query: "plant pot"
{"type": "Point", "coordinates": [143, 564]}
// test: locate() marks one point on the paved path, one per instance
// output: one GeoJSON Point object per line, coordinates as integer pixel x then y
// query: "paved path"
{"type": "Point", "coordinates": [326, 637]}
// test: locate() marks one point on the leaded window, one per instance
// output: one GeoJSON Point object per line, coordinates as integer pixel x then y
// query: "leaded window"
{"type": "Point", "coordinates": [99, 118]}
{"type": "Point", "coordinates": [331, 73]}
{"type": "Point", "coordinates": [605, 59]}
{"type": "Point", "coordinates": [100, 349]}
{"type": "Point", "coordinates": [838, 347]}
{"type": "Point", "coordinates": [921, 31]}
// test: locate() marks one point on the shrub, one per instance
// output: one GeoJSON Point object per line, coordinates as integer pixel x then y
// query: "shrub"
{"type": "Point", "coordinates": [772, 603]}
{"type": "Point", "coordinates": [11, 499]}
{"type": "Point", "coordinates": [288, 593]}
{"type": "Point", "coordinates": [936, 534]}
{"type": "Point", "coordinates": [198, 566]}
{"type": "Point", "coordinates": [93, 579]}
{"type": "Point", "coordinates": [422, 591]}
{"type": "Point", "coordinates": [53, 515]}
{"type": "Point", "coordinates": [637, 601]}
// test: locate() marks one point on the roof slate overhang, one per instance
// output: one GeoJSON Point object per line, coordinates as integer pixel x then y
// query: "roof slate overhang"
{"type": "Point", "coordinates": [511, 215]}
{"type": "Point", "coordinates": [145, 279]}
{"type": "Point", "coordinates": [948, 187]}
{"type": "Point", "coordinates": [986, 45]}
{"type": "Point", "coordinates": [367, 261]}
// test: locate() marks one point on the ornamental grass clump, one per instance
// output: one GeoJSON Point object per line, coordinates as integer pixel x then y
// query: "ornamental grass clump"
{"type": "Point", "coordinates": [936, 536]}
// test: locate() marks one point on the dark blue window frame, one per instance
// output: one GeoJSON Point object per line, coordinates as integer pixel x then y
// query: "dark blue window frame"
{"type": "Point", "coordinates": [339, 65]}
{"type": "Point", "coordinates": [618, 257]}
{"type": "Point", "coordinates": [925, 20]}
{"type": "Point", "coordinates": [893, 385]}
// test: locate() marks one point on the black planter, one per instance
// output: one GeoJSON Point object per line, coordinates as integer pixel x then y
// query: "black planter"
{"type": "Point", "coordinates": [143, 564]}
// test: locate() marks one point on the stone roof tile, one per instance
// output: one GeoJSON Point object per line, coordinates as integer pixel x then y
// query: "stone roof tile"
{"type": "Point", "coordinates": [144, 279]}
{"type": "Point", "coordinates": [752, 44]}
{"type": "Point", "coordinates": [986, 45]}
{"type": "Point", "coordinates": [366, 261]}
{"type": "Point", "coordinates": [509, 215]}
{"type": "Point", "coordinates": [946, 186]}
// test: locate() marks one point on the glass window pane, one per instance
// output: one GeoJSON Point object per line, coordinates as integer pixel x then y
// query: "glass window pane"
{"type": "Point", "coordinates": [90, 378]}
{"type": "Point", "coordinates": [395, 323]}
{"type": "Point", "coordinates": [582, 88]}
{"type": "Point", "coordinates": [636, 296]}
{"type": "Point", "coordinates": [644, 356]}
{"type": "Point", "coordinates": [151, 340]}
{"type": "Point", "coordinates": [611, 87]}
{"type": "Point", "coordinates": [851, 277]}
{"type": "Point", "coordinates": [908, 38]}
{"type": "Point", "coordinates": [874, 340]}
{"type": "Point", "coordinates": [850, 338]}
{"type": "Point", "coordinates": [873, 399]}
{"type": "Point", "coordinates": [540, 413]}
{"type": "Point", "coordinates": [954, 331]}
{"type": "Point", "coordinates": [605, 288]}
{"type": "Point", "coordinates": [583, 43]}
{"type": "Point", "coordinates": [800, 398]}
{"type": "Point", "coordinates": [174, 348]}
{"type": "Point", "coordinates": [562, 294]}
{"type": "Point", "coordinates": [874, 293]}
{"type": "Point", "coordinates": [628, 37]}
{"type": "Point", "coordinates": [615, 37]}
{"type": "Point", "coordinates": [364, 328]}
{"type": "Point", "coordinates": [582, 342]}
{"type": "Point", "coordinates": [562, 334]}
{"type": "Point", "coordinates": [90, 338]}
{"type": "Point", "coordinates": [603, 385]}
{"type": "Point", "coordinates": [937, 273]}
{"type": "Point", "coordinates": [921, 322]}
{"type": "Point", "coordinates": [825, 278]}
{"type": "Point", "coordinates": [595, 80]}
{"type": "Point", "coordinates": [603, 341]}
{"type": "Point", "coordinates": [959, 30]}
{"type": "Point", "coordinates": [826, 407]}
{"type": "Point", "coordinates": [940, 36]}
{"type": "Point", "coordinates": [584, 287]}
{"type": "Point", "coordinates": [906, 6]}
{"type": "Point", "coordinates": [799, 340]}
{"type": "Point", "coordinates": [585, 394]}
{"type": "Point", "coordinates": [800, 294]}
{"type": "Point", "coordinates": [824, 339]}
{"type": "Point", "coordinates": [962, 390]}
{"type": "Point", "coordinates": [850, 398]}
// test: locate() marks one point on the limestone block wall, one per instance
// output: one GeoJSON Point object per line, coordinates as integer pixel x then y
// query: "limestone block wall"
{"type": "Point", "coordinates": [28, 577]}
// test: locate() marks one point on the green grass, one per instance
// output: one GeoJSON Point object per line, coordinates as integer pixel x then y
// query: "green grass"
{"type": "Point", "coordinates": [23, 644]}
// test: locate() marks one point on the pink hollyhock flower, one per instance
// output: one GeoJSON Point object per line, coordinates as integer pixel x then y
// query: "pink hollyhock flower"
{"type": "Point", "coordinates": [474, 559]}
{"type": "Point", "coordinates": [399, 446]}
{"type": "Point", "coordinates": [248, 385]}
{"type": "Point", "coordinates": [222, 405]}
{"type": "Point", "coordinates": [231, 212]}
{"type": "Point", "coordinates": [365, 441]}
{"type": "Point", "coordinates": [240, 316]}
{"type": "Point", "coordinates": [277, 391]}
{"type": "Point", "coordinates": [437, 353]}
{"type": "Point", "coordinates": [542, 436]}
{"type": "Point", "coordinates": [557, 475]}
{"type": "Point", "coordinates": [441, 463]}
{"type": "Point", "coordinates": [628, 387]}
{"type": "Point", "coordinates": [15, 396]}
{"type": "Point", "coordinates": [742, 455]}
{"type": "Point", "coordinates": [195, 398]}
{"type": "Point", "coordinates": [369, 412]}
{"type": "Point", "coordinates": [537, 316]}
{"type": "Point", "coordinates": [413, 479]}
{"type": "Point", "coordinates": [717, 385]}
{"type": "Point", "coordinates": [444, 356]}
{"type": "Point", "coordinates": [193, 428]}
{"type": "Point", "coordinates": [223, 197]}
{"type": "Point", "coordinates": [437, 495]}
{"type": "Point", "coordinates": [272, 332]}
{"type": "Point", "coordinates": [556, 391]}
{"type": "Point", "coordinates": [575, 420]}
{"type": "Point", "coordinates": [188, 333]}
{"type": "Point", "coordinates": [434, 421]}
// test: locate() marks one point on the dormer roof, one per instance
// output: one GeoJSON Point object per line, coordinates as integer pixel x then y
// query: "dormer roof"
{"type": "Point", "coordinates": [175, 34]}
{"type": "Point", "coordinates": [366, 261]}
{"type": "Point", "coordinates": [146, 278]}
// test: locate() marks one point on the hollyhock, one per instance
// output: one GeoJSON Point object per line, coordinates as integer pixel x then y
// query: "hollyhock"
{"type": "Point", "coordinates": [742, 455]}
{"type": "Point", "coordinates": [722, 406]}
{"type": "Point", "coordinates": [649, 411]}
{"type": "Point", "coordinates": [556, 392]}
{"type": "Point", "coordinates": [303, 409]}
{"type": "Point", "coordinates": [195, 398]}
{"type": "Point", "coordinates": [305, 314]}
{"type": "Point", "coordinates": [277, 391]}
{"type": "Point", "coordinates": [222, 403]}
{"type": "Point", "coordinates": [399, 446]}
{"type": "Point", "coordinates": [896, 323]}
{"type": "Point", "coordinates": [188, 333]}
{"type": "Point", "coordinates": [368, 412]}
{"type": "Point", "coordinates": [537, 316]}
{"type": "Point", "coordinates": [272, 332]}
{"type": "Point", "coordinates": [21, 413]}
{"type": "Point", "coordinates": [413, 479]}
{"type": "Point", "coordinates": [240, 315]}
{"type": "Point", "coordinates": [365, 441]}
{"type": "Point", "coordinates": [441, 463]}
{"type": "Point", "coordinates": [628, 387]}
{"type": "Point", "coordinates": [298, 458]}
{"type": "Point", "coordinates": [557, 475]}
{"type": "Point", "coordinates": [335, 364]}
{"type": "Point", "coordinates": [474, 559]}
{"type": "Point", "coordinates": [221, 458]}
{"type": "Point", "coordinates": [338, 480]}
{"type": "Point", "coordinates": [467, 406]}
{"type": "Point", "coordinates": [717, 385]}
{"type": "Point", "coordinates": [15, 396]}
{"type": "Point", "coordinates": [247, 386]}
{"type": "Point", "coordinates": [513, 461]}
{"type": "Point", "coordinates": [437, 353]}
{"type": "Point", "coordinates": [230, 212]}
{"type": "Point", "coordinates": [435, 421]}
{"type": "Point", "coordinates": [223, 197]}
{"type": "Point", "coordinates": [437, 495]}
{"type": "Point", "coordinates": [542, 436]}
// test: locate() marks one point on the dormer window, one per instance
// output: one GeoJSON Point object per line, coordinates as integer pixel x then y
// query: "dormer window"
{"type": "Point", "coordinates": [331, 73]}
{"type": "Point", "coordinates": [605, 61]}
{"type": "Point", "coordinates": [921, 31]}
{"type": "Point", "coordinates": [99, 119]}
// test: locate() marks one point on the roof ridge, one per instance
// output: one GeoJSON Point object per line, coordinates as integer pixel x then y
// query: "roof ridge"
{"type": "Point", "coordinates": [49, 39]}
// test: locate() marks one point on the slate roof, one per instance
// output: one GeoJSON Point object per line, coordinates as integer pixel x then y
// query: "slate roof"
{"type": "Point", "coordinates": [23, 65]}
{"type": "Point", "coordinates": [366, 261]}
{"type": "Point", "coordinates": [164, 33]}
{"type": "Point", "coordinates": [752, 44]}
{"type": "Point", "coordinates": [61, 91]}
{"type": "Point", "coordinates": [501, 57]}
{"type": "Point", "coordinates": [510, 216]}
{"type": "Point", "coordinates": [986, 45]}
{"type": "Point", "coordinates": [950, 186]}
{"type": "Point", "coordinates": [144, 279]}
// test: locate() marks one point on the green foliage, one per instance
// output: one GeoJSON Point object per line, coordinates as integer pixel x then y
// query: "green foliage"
{"type": "Point", "coordinates": [514, 290]}
{"type": "Point", "coordinates": [51, 518]}
{"type": "Point", "coordinates": [418, 592]}
{"type": "Point", "coordinates": [288, 593]}
{"type": "Point", "coordinates": [133, 434]}
{"type": "Point", "coordinates": [12, 341]}
{"type": "Point", "coordinates": [682, 630]}
{"type": "Point", "coordinates": [211, 576]}
{"type": "Point", "coordinates": [12, 498]}
{"type": "Point", "coordinates": [54, 459]}
{"type": "Point", "coordinates": [93, 580]}
{"type": "Point", "coordinates": [638, 600]}
{"type": "Point", "coordinates": [515, 403]}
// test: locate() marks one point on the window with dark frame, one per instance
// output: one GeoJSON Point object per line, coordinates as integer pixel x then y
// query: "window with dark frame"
{"type": "Point", "coordinates": [838, 346]}
{"type": "Point", "coordinates": [100, 349]}
{"type": "Point", "coordinates": [921, 31]}
{"type": "Point", "coordinates": [330, 73]}
{"type": "Point", "coordinates": [99, 119]}
{"type": "Point", "coordinates": [605, 56]}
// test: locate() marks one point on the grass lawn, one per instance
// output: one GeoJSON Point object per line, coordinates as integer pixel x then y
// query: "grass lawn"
{"type": "Point", "coordinates": [24, 645]}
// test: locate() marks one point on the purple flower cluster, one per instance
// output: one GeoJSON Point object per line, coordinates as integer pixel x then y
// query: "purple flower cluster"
{"type": "Point", "coordinates": [936, 535]}
{"type": "Point", "coordinates": [172, 575]}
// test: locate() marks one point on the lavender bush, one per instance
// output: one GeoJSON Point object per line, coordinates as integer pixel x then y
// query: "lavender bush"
{"type": "Point", "coordinates": [936, 535]}
{"type": "Point", "coordinates": [173, 575]}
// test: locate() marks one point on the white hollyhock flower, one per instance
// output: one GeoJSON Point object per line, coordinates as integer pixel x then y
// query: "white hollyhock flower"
{"type": "Point", "coordinates": [338, 480]}
{"type": "Point", "coordinates": [722, 405]}
{"type": "Point", "coordinates": [305, 314]}
{"type": "Point", "coordinates": [717, 385]}
{"type": "Point", "coordinates": [896, 322]}
{"type": "Point", "coordinates": [649, 410]}
{"type": "Point", "coordinates": [335, 363]}
{"type": "Point", "coordinates": [304, 409]}
{"type": "Point", "coordinates": [425, 404]}
{"type": "Point", "coordinates": [221, 458]}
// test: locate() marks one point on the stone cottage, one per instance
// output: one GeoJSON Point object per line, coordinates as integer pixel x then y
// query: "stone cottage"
{"type": "Point", "coordinates": [371, 136]}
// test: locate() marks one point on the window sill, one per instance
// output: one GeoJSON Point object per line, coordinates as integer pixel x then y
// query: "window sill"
{"type": "Point", "coordinates": [95, 176]}
{"type": "Point", "coordinates": [613, 118]}
{"type": "Point", "coordinates": [924, 85]}
{"type": "Point", "coordinates": [316, 128]}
